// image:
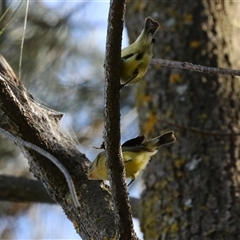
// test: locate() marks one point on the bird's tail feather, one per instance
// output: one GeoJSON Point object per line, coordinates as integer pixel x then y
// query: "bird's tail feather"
{"type": "Point", "coordinates": [164, 139]}
{"type": "Point", "coordinates": [151, 26]}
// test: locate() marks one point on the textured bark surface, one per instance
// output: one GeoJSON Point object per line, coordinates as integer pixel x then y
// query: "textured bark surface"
{"type": "Point", "coordinates": [21, 189]}
{"type": "Point", "coordinates": [25, 118]}
{"type": "Point", "coordinates": [112, 121]}
{"type": "Point", "coordinates": [192, 189]}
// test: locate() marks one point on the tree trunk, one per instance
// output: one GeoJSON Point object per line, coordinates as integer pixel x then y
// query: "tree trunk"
{"type": "Point", "coordinates": [191, 186]}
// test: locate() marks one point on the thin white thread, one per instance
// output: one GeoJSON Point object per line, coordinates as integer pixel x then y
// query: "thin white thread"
{"type": "Point", "coordinates": [50, 157]}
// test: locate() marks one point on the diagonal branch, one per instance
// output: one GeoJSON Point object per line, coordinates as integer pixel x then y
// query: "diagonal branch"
{"type": "Point", "coordinates": [199, 130]}
{"type": "Point", "coordinates": [27, 119]}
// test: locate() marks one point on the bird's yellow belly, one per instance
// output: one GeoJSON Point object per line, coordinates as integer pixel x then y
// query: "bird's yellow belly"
{"type": "Point", "coordinates": [134, 164]}
{"type": "Point", "coordinates": [134, 69]}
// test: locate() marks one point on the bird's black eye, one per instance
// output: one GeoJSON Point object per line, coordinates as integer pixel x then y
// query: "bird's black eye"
{"type": "Point", "coordinates": [153, 40]}
{"type": "Point", "coordinates": [139, 56]}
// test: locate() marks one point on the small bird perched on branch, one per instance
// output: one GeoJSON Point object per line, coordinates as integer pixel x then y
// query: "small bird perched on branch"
{"type": "Point", "coordinates": [136, 155]}
{"type": "Point", "coordinates": [136, 57]}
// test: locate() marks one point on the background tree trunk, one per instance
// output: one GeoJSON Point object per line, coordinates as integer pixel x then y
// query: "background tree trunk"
{"type": "Point", "coordinates": [192, 192]}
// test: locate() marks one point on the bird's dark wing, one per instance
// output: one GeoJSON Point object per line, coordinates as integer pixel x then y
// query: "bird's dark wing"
{"type": "Point", "coordinates": [127, 56]}
{"type": "Point", "coordinates": [138, 141]}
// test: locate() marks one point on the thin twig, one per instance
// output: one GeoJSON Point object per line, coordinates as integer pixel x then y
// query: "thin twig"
{"type": "Point", "coordinates": [196, 68]}
{"type": "Point", "coordinates": [23, 37]}
{"type": "Point", "coordinates": [5, 9]}
{"type": "Point", "coordinates": [9, 20]}
{"type": "Point", "coordinates": [198, 130]}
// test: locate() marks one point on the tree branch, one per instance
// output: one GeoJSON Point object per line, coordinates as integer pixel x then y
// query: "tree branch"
{"type": "Point", "coordinates": [22, 189]}
{"type": "Point", "coordinates": [27, 119]}
{"type": "Point", "coordinates": [112, 120]}
{"type": "Point", "coordinates": [196, 68]}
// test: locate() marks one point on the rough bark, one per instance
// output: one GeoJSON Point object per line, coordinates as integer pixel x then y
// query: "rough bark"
{"type": "Point", "coordinates": [22, 116]}
{"type": "Point", "coordinates": [192, 187]}
{"type": "Point", "coordinates": [22, 189]}
{"type": "Point", "coordinates": [112, 133]}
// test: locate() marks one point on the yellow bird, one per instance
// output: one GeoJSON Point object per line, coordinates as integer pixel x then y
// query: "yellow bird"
{"type": "Point", "coordinates": [136, 57]}
{"type": "Point", "coordinates": [136, 155]}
